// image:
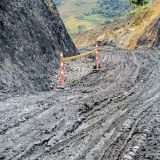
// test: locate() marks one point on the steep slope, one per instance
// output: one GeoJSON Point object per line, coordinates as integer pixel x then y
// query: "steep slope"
{"type": "Point", "coordinates": [139, 30]}
{"type": "Point", "coordinates": [112, 8]}
{"type": "Point", "coordinates": [144, 28]}
{"type": "Point", "coordinates": [31, 37]}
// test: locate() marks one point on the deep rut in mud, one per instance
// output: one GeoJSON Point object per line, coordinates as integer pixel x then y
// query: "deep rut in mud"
{"type": "Point", "coordinates": [111, 114]}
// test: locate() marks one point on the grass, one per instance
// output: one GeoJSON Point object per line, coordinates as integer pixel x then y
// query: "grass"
{"type": "Point", "coordinates": [70, 10]}
{"type": "Point", "coordinates": [74, 12]}
{"type": "Point", "coordinates": [135, 10]}
{"type": "Point", "coordinates": [73, 8]}
{"type": "Point", "coordinates": [88, 22]}
{"type": "Point", "coordinates": [73, 23]}
{"type": "Point", "coordinates": [95, 19]}
{"type": "Point", "coordinates": [75, 19]}
{"type": "Point", "coordinates": [125, 34]}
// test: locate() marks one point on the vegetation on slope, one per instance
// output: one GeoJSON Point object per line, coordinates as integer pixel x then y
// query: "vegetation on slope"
{"type": "Point", "coordinates": [142, 22]}
{"type": "Point", "coordinates": [85, 14]}
{"type": "Point", "coordinates": [140, 28]}
{"type": "Point", "coordinates": [70, 10]}
{"type": "Point", "coordinates": [111, 8]}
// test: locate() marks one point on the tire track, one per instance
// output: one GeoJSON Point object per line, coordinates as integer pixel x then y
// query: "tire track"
{"type": "Point", "coordinates": [96, 118]}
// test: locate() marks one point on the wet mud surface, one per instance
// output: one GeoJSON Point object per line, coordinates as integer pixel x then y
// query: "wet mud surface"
{"type": "Point", "coordinates": [111, 114]}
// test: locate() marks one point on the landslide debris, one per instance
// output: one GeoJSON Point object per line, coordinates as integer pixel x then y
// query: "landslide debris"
{"type": "Point", "coordinates": [31, 36]}
{"type": "Point", "coordinates": [112, 114]}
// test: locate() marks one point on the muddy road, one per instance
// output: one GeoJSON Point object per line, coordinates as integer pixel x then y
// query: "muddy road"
{"type": "Point", "coordinates": [111, 114]}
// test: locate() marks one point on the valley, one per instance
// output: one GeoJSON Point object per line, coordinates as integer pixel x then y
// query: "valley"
{"type": "Point", "coordinates": [86, 14]}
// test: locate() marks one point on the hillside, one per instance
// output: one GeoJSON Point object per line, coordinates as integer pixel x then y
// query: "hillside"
{"type": "Point", "coordinates": [110, 113]}
{"type": "Point", "coordinates": [81, 15]}
{"type": "Point", "coordinates": [31, 36]}
{"type": "Point", "coordinates": [139, 29]}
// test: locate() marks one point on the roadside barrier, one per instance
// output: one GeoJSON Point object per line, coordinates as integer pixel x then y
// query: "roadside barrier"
{"type": "Point", "coordinates": [97, 58]}
{"type": "Point", "coordinates": [62, 59]}
{"type": "Point", "coordinates": [61, 69]}
{"type": "Point", "coordinates": [78, 56]}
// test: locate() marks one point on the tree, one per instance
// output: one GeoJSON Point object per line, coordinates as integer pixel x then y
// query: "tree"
{"type": "Point", "coordinates": [138, 2]}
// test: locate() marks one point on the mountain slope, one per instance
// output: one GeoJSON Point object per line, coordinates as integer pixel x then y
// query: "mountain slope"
{"type": "Point", "coordinates": [140, 29]}
{"type": "Point", "coordinates": [73, 8]}
{"type": "Point", "coordinates": [84, 14]}
{"type": "Point", "coordinates": [143, 30]}
{"type": "Point", "coordinates": [111, 8]}
{"type": "Point", "coordinates": [31, 37]}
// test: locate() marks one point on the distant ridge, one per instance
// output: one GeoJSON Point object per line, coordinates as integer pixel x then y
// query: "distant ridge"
{"type": "Point", "coordinates": [139, 30]}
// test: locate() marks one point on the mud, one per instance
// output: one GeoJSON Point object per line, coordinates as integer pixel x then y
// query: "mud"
{"type": "Point", "coordinates": [111, 114]}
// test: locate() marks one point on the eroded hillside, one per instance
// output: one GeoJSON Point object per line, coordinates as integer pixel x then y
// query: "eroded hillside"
{"type": "Point", "coordinates": [31, 37]}
{"type": "Point", "coordinates": [138, 30]}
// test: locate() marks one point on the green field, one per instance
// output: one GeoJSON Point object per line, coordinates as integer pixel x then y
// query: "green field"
{"type": "Point", "coordinates": [73, 14]}
{"type": "Point", "coordinates": [81, 15]}
{"type": "Point", "coordinates": [73, 8]}
{"type": "Point", "coordinates": [75, 24]}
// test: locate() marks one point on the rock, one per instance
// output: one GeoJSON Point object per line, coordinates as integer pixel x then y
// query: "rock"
{"type": "Point", "coordinates": [52, 142]}
{"type": "Point", "coordinates": [2, 157]}
{"type": "Point", "coordinates": [31, 36]}
{"type": "Point", "coordinates": [127, 157]}
{"type": "Point", "coordinates": [47, 149]}
{"type": "Point", "coordinates": [135, 148]}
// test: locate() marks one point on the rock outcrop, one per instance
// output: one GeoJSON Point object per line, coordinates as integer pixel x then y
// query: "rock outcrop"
{"type": "Point", "coordinates": [31, 36]}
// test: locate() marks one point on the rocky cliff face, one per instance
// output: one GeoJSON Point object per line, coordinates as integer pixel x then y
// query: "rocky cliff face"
{"type": "Point", "coordinates": [31, 37]}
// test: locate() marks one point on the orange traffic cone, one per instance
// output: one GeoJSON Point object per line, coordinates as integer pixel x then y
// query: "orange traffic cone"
{"type": "Point", "coordinates": [61, 70]}
{"type": "Point", "coordinates": [97, 58]}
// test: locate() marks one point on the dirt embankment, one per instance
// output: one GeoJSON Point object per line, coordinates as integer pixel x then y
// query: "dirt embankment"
{"type": "Point", "coordinates": [140, 30]}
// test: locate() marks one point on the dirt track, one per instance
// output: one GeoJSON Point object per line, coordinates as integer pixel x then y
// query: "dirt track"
{"type": "Point", "coordinates": [109, 115]}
